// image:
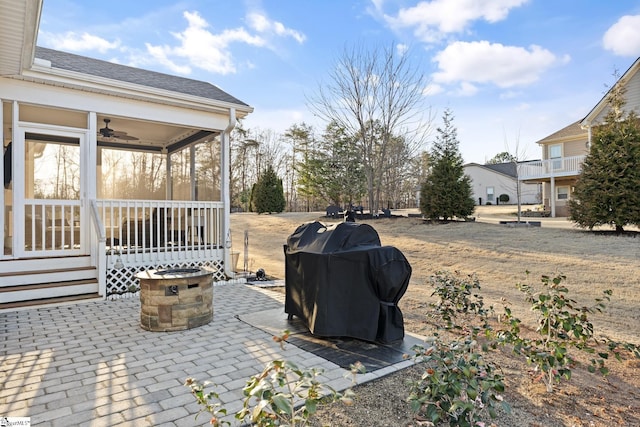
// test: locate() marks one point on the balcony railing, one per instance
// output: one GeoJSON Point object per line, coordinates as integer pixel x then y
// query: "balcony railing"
{"type": "Point", "coordinates": [558, 167]}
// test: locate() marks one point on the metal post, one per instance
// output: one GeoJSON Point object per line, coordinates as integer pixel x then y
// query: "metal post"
{"type": "Point", "coordinates": [246, 251]}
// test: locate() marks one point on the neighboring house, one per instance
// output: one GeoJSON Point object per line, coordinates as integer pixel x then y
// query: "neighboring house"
{"type": "Point", "coordinates": [564, 151]}
{"type": "Point", "coordinates": [562, 155]}
{"type": "Point", "coordinates": [490, 181]}
{"type": "Point", "coordinates": [71, 128]}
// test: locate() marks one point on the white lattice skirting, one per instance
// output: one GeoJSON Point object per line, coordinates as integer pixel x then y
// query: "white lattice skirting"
{"type": "Point", "coordinates": [122, 281]}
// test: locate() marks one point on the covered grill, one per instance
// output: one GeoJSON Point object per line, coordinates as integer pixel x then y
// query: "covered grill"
{"type": "Point", "coordinates": [341, 282]}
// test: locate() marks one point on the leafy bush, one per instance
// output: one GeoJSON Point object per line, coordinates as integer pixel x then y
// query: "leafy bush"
{"type": "Point", "coordinates": [562, 326]}
{"type": "Point", "coordinates": [457, 296]}
{"type": "Point", "coordinates": [458, 387]}
{"type": "Point", "coordinates": [504, 198]}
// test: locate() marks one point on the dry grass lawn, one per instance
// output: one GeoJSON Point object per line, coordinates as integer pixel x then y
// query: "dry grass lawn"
{"type": "Point", "coordinates": [499, 256]}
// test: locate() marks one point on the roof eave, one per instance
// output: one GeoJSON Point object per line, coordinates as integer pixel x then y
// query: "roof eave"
{"type": "Point", "coordinates": [595, 111]}
{"type": "Point", "coordinates": [18, 33]}
{"type": "Point", "coordinates": [96, 84]}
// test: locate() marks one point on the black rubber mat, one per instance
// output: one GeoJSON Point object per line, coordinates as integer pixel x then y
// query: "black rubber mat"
{"type": "Point", "coordinates": [342, 351]}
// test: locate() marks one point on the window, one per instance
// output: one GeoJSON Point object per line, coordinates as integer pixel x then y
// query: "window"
{"type": "Point", "coordinates": [489, 194]}
{"type": "Point", "coordinates": [555, 154]}
{"type": "Point", "coordinates": [562, 193]}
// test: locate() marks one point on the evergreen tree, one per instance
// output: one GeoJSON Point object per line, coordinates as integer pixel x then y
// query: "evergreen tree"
{"type": "Point", "coordinates": [607, 191]}
{"type": "Point", "coordinates": [331, 169]}
{"type": "Point", "coordinates": [447, 191]}
{"type": "Point", "coordinates": [268, 194]}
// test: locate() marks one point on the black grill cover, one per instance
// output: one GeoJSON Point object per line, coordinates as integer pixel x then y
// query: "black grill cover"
{"type": "Point", "coordinates": [342, 283]}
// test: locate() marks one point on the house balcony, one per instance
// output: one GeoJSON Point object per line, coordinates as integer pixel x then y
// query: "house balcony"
{"type": "Point", "coordinates": [550, 168]}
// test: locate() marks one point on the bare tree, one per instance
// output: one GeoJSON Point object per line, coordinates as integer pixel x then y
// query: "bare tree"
{"type": "Point", "coordinates": [515, 157]}
{"type": "Point", "coordinates": [376, 95]}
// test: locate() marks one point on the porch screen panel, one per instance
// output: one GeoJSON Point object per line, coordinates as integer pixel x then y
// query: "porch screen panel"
{"type": "Point", "coordinates": [52, 193]}
{"type": "Point", "coordinates": [181, 175]}
{"type": "Point", "coordinates": [208, 171]}
{"type": "Point", "coordinates": [132, 175]}
{"type": "Point", "coordinates": [52, 169]}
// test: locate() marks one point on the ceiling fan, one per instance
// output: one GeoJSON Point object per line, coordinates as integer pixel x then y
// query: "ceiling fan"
{"type": "Point", "coordinates": [107, 132]}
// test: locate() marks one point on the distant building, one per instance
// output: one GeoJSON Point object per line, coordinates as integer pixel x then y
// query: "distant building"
{"type": "Point", "coordinates": [564, 151]}
{"type": "Point", "coordinates": [489, 182]}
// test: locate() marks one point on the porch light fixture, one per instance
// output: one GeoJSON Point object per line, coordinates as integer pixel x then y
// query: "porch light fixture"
{"type": "Point", "coordinates": [118, 265]}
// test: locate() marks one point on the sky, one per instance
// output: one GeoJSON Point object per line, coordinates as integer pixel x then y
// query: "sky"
{"type": "Point", "coordinates": [511, 71]}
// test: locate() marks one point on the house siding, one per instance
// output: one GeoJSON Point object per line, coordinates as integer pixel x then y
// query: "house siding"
{"type": "Point", "coordinates": [632, 97]}
{"type": "Point", "coordinates": [482, 177]}
{"type": "Point", "coordinates": [575, 148]}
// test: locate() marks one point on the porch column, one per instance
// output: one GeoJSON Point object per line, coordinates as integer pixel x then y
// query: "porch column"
{"type": "Point", "coordinates": [552, 197]}
{"type": "Point", "coordinates": [225, 156]}
{"type": "Point", "coordinates": [18, 186]}
{"type": "Point", "coordinates": [192, 172]}
{"type": "Point", "coordinates": [5, 230]}
{"type": "Point", "coordinates": [91, 159]}
{"type": "Point", "coordinates": [169, 184]}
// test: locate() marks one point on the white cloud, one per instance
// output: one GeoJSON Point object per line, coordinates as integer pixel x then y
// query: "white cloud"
{"type": "Point", "coordinates": [201, 48]}
{"type": "Point", "coordinates": [402, 48]}
{"type": "Point", "coordinates": [159, 54]}
{"type": "Point", "coordinates": [466, 89]}
{"type": "Point", "coordinates": [262, 24]}
{"type": "Point", "coordinates": [432, 89]}
{"type": "Point", "coordinates": [492, 63]}
{"type": "Point", "coordinates": [430, 20]}
{"type": "Point", "coordinates": [623, 37]}
{"type": "Point", "coordinates": [74, 42]}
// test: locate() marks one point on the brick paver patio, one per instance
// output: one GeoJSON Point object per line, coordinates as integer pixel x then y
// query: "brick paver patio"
{"type": "Point", "coordinates": [91, 364]}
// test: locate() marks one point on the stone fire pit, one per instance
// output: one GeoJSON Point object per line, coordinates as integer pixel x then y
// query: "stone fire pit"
{"type": "Point", "coordinates": [175, 299]}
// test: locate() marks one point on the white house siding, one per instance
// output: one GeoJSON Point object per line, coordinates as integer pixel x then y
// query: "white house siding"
{"type": "Point", "coordinates": [481, 178]}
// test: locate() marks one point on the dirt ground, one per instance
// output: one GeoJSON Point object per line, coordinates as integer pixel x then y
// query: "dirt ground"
{"type": "Point", "coordinates": [499, 255]}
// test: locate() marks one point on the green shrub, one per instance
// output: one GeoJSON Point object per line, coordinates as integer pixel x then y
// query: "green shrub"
{"type": "Point", "coordinates": [504, 198]}
{"type": "Point", "coordinates": [562, 326]}
{"type": "Point", "coordinates": [458, 296]}
{"type": "Point", "coordinates": [458, 387]}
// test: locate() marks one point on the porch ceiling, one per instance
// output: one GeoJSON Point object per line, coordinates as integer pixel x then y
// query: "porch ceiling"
{"type": "Point", "coordinates": [151, 136]}
{"type": "Point", "coordinates": [145, 135]}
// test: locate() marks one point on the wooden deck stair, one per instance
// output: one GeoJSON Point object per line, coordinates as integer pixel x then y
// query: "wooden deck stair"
{"type": "Point", "coordinates": [37, 281]}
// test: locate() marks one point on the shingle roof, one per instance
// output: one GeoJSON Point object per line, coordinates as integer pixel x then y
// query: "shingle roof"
{"type": "Point", "coordinates": [109, 70]}
{"type": "Point", "coordinates": [573, 129]}
{"type": "Point", "coordinates": [503, 168]}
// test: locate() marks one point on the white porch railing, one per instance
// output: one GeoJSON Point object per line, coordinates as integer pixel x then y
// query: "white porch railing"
{"type": "Point", "coordinates": [52, 227]}
{"type": "Point", "coordinates": [145, 234]}
{"type": "Point", "coordinates": [143, 231]}
{"type": "Point", "coordinates": [562, 166]}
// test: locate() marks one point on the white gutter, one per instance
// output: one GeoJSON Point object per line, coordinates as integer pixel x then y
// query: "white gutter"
{"type": "Point", "coordinates": [225, 143]}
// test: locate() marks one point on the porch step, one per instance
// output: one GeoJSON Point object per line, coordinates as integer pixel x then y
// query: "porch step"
{"type": "Point", "coordinates": [45, 301]}
{"type": "Point", "coordinates": [39, 280]}
{"type": "Point", "coordinates": [44, 292]}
